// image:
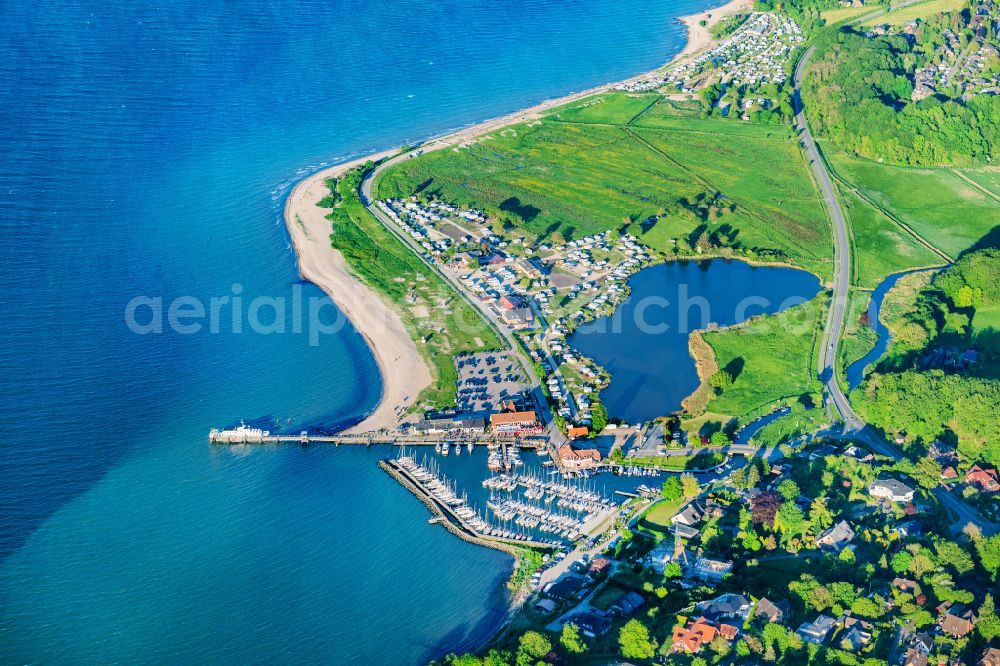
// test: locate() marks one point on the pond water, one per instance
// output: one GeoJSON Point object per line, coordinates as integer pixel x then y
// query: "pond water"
{"type": "Point", "coordinates": [644, 344]}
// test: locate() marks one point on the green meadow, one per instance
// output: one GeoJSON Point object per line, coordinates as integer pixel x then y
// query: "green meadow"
{"type": "Point", "coordinates": [775, 356]}
{"type": "Point", "coordinates": [881, 247]}
{"type": "Point", "coordinates": [938, 204]}
{"type": "Point", "coordinates": [595, 164]}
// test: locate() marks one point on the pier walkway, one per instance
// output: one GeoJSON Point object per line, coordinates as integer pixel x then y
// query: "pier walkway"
{"type": "Point", "coordinates": [216, 436]}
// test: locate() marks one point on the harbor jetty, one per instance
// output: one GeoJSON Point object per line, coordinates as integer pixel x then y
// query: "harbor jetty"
{"type": "Point", "coordinates": [452, 512]}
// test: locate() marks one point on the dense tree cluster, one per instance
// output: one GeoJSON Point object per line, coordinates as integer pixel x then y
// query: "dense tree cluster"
{"type": "Point", "coordinates": [859, 94]}
{"type": "Point", "coordinates": [927, 403]}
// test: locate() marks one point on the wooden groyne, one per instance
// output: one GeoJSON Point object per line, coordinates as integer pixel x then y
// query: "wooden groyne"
{"type": "Point", "coordinates": [453, 523]}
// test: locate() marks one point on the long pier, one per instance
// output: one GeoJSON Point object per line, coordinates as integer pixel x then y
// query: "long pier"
{"type": "Point", "coordinates": [216, 436]}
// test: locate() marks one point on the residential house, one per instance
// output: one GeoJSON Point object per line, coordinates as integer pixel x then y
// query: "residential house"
{"type": "Point", "coordinates": [578, 432]}
{"type": "Point", "coordinates": [891, 489]}
{"type": "Point", "coordinates": [689, 515]}
{"type": "Point", "coordinates": [856, 634]}
{"type": "Point", "coordinates": [957, 621]}
{"type": "Point", "coordinates": [659, 557]}
{"type": "Point", "coordinates": [991, 657]}
{"type": "Point", "coordinates": [599, 568]}
{"type": "Point", "coordinates": [770, 611]}
{"type": "Point", "coordinates": [564, 588]}
{"type": "Point", "coordinates": [691, 638]}
{"type": "Point", "coordinates": [836, 537]}
{"type": "Point", "coordinates": [593, 623]}
{"type": "Point", "coordinates": [545, 606]}
{"type": "Point", "coordinates": [906, 585]}
{"type": "Point", "coordinates": [909, 528]}
{"type": "Point", "coordinates": [726, 606]}
{"type": "Point", "coordinates": [984, 478]}
{"type": "Point", "coordinates": [915, 657]}
{"type": "Point", "coordinates": [626, 604]}
{"type": "Point", "coordinates": [817, 631]}
{"type": "Point", "coordinates": [579, 458]}
{"type": "Point", "coordinates": [518, 317]}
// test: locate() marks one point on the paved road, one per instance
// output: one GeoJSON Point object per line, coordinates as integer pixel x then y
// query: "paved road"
{"type": "Point", "coordinates": [555, 437]}
{"type": "Point", "coordinates": [854, 426]}
{"type": "Point", "coordinates": [841, 260]}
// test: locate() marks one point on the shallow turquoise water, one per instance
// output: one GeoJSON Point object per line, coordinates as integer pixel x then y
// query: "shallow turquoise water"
{"type": "Point", "coordinates": [147, 151]}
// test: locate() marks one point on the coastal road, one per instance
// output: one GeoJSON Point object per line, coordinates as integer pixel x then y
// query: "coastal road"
{"type": "Point", "coordinates": [854, 426]}
{"type": "Point", "coordinates": [841, 259]}
{"type": "Point", "coordinates": [554, 436]}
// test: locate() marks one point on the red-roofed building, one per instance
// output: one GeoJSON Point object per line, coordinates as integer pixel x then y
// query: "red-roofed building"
{"type": "Point", "coordinates": [579, 458]}
{"type": "Point", "coordinates": [578, 432]}
{"type": "Point", "coordinates": [691, 638]}
{"type": "Point", "coordinates": [983, 478]}
{"type": "Point", "coordinates": [514, 423]}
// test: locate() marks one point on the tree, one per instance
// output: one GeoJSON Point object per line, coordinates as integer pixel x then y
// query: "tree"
{"type": "Point", "coordinates": [497, 658]}
{"type": "Point", "coordinates": [672, 488]}
{"type": "Point", "coordinates": [790, 519]}
{"type": "Point", "coordinates": [952, 554]}
{"type": "Point", "coordinates": [819, 514]}
{"type": "Point", "coordinates": [720, 438]}
{"type": "Point", "coordinates": [635, 642]}
{"type": "Point", "coordinates": [598, 418]}
{"type": "Point", "coordinates": [764, 507]}
{"type": "Point", "coordinates": [689, 485]}
{"type": "Point", "coordinates": [989, 553]}
{"type": "Point", "coordinates": [672, 570]}
{"type": "Point", "coordinates": [532, 647]}
{"type": "Point", "coordinates": [571, 639]}
{"type": "Point", "coordinates": [720, 380]}
{"type": "Point", "coordinates": [789, 490]}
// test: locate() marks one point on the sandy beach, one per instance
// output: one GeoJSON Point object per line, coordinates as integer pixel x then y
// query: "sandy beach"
{"type": "Point", "coordinates": [404, 372]}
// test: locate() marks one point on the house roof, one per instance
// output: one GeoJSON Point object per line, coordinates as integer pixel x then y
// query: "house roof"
{"type": "Point", "coordinates": [727, 604]}
{"type": "Point", "coordinates": [895, 487]}
{"type": "Point", "coordinates": [628, 603]}
{"type": "Point", "coordinates": [839, 533]}
{"type": "Point", "coordinates": [771, 611]}
{"type": "Point", "coordinates": [958, 621]}
{"type": "Point", "coordinates": [567, 452]}
{"type": "Point", "coordinates": [509, 418]}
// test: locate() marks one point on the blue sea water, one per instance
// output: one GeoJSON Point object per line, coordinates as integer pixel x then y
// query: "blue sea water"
{"type": "Point", "coordinates": [147, 149]}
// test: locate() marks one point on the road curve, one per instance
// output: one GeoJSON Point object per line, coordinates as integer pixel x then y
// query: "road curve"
{"type": "Point", "coordinates": [854, 426]}
{"type": "Point", "coordinates": [827, 361]}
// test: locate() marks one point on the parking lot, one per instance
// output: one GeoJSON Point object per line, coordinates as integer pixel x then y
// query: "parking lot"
{"type": "Point", "coordinates": [486, 380]}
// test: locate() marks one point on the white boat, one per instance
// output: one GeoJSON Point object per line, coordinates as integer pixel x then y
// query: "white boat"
{"type": "Point", "coordinates": [470, 445]}
{"type": "Point", "coordinates": [458, 449]}
{"type": "Point", "coordinates": [242, 433]}
{"type": "Point", "coordinates": [445, 448]}
{"type": "Point", "coordinates": [437, 447]}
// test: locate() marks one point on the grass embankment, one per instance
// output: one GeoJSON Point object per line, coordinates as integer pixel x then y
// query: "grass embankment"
{"type": "Point", "coordinates": [941, 207]}
{"type": "Point", "coordinates": [836, 14]}
{"type": "Point", "coordinates": [770, 359]}
{"type": "Point", "coordinates": [640, 163]}
{"type": "Point", "coordinates": [441, 323]}
{"type": "Point", "coordinates": [700, 462]}
{"type": "Point", "coordinates": [858, 338]}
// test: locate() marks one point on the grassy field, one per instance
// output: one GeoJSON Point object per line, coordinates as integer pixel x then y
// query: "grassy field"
{"type": "Point", "coordinates": [937, 204]}
{"type": "Point", "coordinates": [882, 247]}
{"type": "Point", "coordinates": [919, 10]}
{"type": "Point", "coordinates": [778, 354]}
{"type": "Point", "coordinates": [437, 314]}
{"type": "Point", "coordinates": [554, 179]}
{"type": "Point", "coordinates": [658, 517]}
{"type": "Point", "coordinates": [608, 108]}
{"type": "Point", "coordinates": [985, 178]}
{"type": "Point", "coordinates": [986, 318]}
{"type": "Point", "coordinates": [858, 340]}
{"type": "Point", "coordinates": [840, 13]}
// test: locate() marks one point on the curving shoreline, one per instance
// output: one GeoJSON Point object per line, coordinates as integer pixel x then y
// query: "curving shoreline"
{"type": "Point", "coordinates": [403, 370]}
